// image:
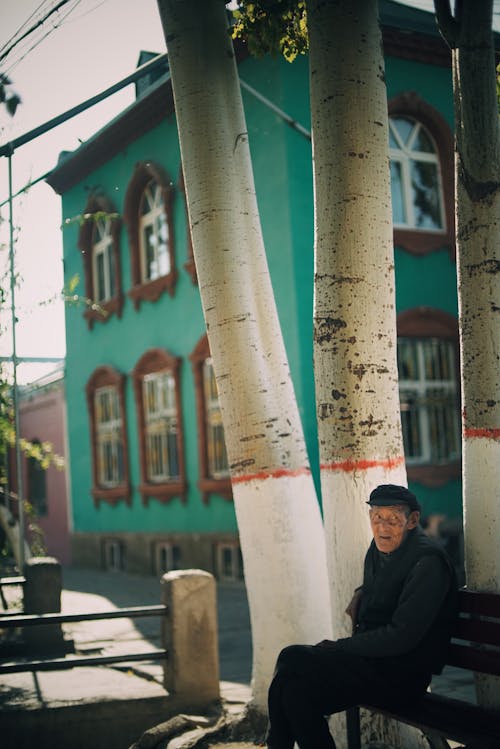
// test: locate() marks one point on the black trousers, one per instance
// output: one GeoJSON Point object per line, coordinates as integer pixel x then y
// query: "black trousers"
{"type": "Point", "coordinates": [314, 681]}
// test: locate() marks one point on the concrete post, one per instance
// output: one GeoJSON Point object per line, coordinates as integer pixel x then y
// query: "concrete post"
{"type": "Point", "coordinates": [42, 595]}
{"type": "Point", "coordinates": [189, 634]}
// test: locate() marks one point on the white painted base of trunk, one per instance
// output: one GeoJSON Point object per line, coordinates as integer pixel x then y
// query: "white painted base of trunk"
{"type": "Point", "coordinates": [482, 513]}
{"type": "Point", "coordinates": [482, 533]}
{"type": "Point", "coordinates": [348, 534]}
{"type": "Point", "coordinates": [282, 540]}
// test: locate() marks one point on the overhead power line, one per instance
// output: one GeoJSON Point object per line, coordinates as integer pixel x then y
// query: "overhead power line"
{"type": "Point", "coordinates": [21, 27]}
{"type": "Point", "coordinates": [33, 28]}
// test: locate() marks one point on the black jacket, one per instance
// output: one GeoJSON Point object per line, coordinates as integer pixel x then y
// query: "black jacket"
{"type": "Point", "coordinates": [408, 605]}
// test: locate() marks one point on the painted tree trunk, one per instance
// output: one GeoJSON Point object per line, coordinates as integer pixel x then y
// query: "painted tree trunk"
{"type": "Point", "coordinates": [477, 176]}
{"type": "Point", "coordinates": [356, 376]}
{"type": "Point", "coordinates": [354, 305]}
{"type": "Point", "coordinates": [279, 521]}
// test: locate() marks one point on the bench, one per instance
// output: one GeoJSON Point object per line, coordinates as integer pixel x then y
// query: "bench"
{"type": "Point", "coordinates": [475, 646]}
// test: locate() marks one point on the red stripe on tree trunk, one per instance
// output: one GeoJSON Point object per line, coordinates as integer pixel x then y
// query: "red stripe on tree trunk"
{"type": "Point", "coordinates": [493, 434]}
{"type": "Point", "coordinates": [363, 465]}
{"type": "Point", "coordinates": [276, 474]}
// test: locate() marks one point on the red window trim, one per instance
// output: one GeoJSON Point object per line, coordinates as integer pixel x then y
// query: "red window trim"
{"type": "Point", "coordinates": [113, 306]}
{"type": "Point", "coordinates": [150, 291]}
{"type": "Point", "coordinates": [415, 241]}
{"type": "Point", "coordinates": [206, 484]}
{"type": "Point", "coordinates": [158, 360]}
{"type": "Point", "coordinates": [102, 377]}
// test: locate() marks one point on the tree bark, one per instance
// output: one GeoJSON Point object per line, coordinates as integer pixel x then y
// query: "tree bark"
{"type": "Point", "coordinates": [279, 522]}
{"type": "Point", "coordinates": [354, 308]}
{"type": "Point", "coordinates": [356, 375]}
{"type": "Point", "coordinates": [477, 175]}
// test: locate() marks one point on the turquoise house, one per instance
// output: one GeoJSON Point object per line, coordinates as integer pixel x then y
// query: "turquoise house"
{"type": "Point", "coordinates": [150, 488]}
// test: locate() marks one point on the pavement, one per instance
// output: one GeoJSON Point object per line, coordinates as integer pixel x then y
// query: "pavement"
{"type": "Point", "coordinates": [140, 684]}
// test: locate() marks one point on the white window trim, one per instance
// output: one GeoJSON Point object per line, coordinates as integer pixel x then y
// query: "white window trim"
{"type": "Point", "coordinates": [113, 555]}
{"type": "Point", "coordinates": [421, 387]}
{"type": "Point", "coordinates": [109, 431]}
{"type": "Point", "coordinates": [161, 422]}
{"type": "Point", "coordinates": [104, 247]}
{"type": "Point", "coordinates": [236, 572]}
{"type": "Point", "coordinates": [152, 218]}
{"type": "Point", "coordinates": [404, 155]}
{"type": "Point", "coordinates": [170, 551]}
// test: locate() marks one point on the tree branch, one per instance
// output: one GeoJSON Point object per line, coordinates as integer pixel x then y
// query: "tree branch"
{"type": "Point", "coordinates": [448, 25]}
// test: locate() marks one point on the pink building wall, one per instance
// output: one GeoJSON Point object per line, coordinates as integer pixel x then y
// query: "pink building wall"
{"type": "Point", "coordinates": [42, 415]}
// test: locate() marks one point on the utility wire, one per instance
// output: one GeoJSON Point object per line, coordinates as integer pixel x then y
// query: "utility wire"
{"type": "Point", "coordinates": [33, 28]}
{"type": "Point", "coordinates": [21, 27]}
{"type": "Point", "coordinates": [45, 35]}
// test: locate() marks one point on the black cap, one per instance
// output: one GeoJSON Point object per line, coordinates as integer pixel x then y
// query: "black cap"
{"type": "Point", "coordinates": [391, 494]}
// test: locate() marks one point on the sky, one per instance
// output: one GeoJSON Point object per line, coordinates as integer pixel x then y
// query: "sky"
{"type": "Point", "coordinates": [84, 52]}
{"type": "Point", "coordinates": [82, 49]}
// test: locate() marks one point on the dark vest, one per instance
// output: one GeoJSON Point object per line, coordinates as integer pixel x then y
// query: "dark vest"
{"type": "Point", "coordinates": [382, 588]}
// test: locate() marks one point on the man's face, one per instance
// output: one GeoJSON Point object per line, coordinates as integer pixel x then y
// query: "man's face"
{"type": "Point", "coordinates": [390, 526]}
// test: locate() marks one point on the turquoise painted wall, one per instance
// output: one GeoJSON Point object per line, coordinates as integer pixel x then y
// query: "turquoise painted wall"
{"type": "Point", "coordinates": [283, 179]}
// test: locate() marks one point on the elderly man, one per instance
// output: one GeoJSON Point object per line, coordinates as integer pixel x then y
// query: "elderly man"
{"type": "Point", "coordinates": [402, 617]}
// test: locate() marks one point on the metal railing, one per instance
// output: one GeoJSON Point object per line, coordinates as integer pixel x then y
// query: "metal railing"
{"type": "Point", "coordinates": [53, 664]}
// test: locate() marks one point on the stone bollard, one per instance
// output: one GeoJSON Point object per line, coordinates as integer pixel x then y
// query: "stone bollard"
{"type": "Point", "coordinates": [189, 634]}
{"type": "Point", "coordinates": [42, 595]}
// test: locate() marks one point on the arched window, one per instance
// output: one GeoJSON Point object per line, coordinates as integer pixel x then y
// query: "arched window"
{"type": "Point", "coordinates": [214, 469]}
{"type": "Point", "coordinates": [106, 405]}
{"type": "Point", "coordinates": [421, 156]}
{"type": "Point", "coordinates": [417, 200]}
{"type": "Point", "coordinates": [158, 404]}
{"type": "Point", "coordinates": [99, 242]}
{"type": "Point", "coordinates": [148, 213]}
{"type": "Point", "coordinates": [102, 261]}
{"type": "Point", "coordinates": [154, 237]}
{"type": "Point", "coordinates": [429, 394]}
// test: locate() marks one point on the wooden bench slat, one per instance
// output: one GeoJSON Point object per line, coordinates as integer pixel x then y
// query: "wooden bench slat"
{"type": "Point", "coordinates": [455, 719]}
{"type": "Point", "coordinates": [485, 604]}
{"type": "Point", "coordinates": [477, 630]}
{"type": "Point", "coordinates": [473, 659]}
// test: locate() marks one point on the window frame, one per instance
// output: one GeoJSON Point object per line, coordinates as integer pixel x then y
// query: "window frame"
{"type": "Point", "coordinates": [421, 323]}
{"type": "Point", "coordinates": [108, 377]}
{"type": "Point", "coordinates": [113, 555]}
{"type": "Point", "coordinates": [422, 241]}
{"type": "Point", "coordinates": [103, 247]}
{"type": "Point", "coordinates": [156, 361]}
{"type": "Point", "coordinates": [100, 311]}
{"type": "Point", "coordinates": [206, 484]}
{"type": "Point", "coordinates": [172, 551]}
{"type": "Point", "coordinates": [405, 155]}
{"type": "Point", "coordinates": [237, 573]}
{"type": "Point", "coordinates": [141, 291]}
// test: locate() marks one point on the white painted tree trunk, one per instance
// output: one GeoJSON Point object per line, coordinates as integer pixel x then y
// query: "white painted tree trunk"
{"type": "Point", "coordinates": [278, 516]}
{"type": "Point", "coordinates": [355, 359]}
{"type": "Point", "coordinates": [354, 306]}
{"type": "Point", "coordinates": [477, 175]}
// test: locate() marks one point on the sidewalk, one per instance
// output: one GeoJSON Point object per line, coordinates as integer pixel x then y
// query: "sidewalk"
{"type": "Point", "coordinates": [93, 688]}
{"type": "Point", "coordinates": [83, 701]}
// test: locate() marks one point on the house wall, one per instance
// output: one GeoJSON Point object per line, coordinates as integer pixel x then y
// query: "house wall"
{"type": "Point", "coordinates": [42, 418]}
{"type": "Point", "coordinates": [283, 177]}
